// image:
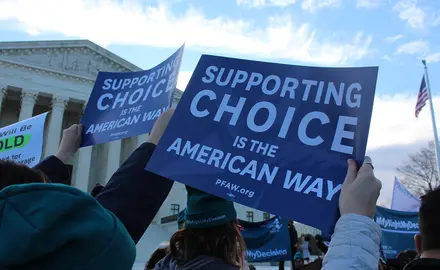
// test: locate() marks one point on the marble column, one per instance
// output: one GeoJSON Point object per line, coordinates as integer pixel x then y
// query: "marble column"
{"type": "Point", "coordinates": [3, 92]}
{"type": "Point", "coordinates": [28, 99]}
{"type": "Point", "coordinates": [55, 124]}
{"type": "Point", "coordinates": [113, 158]}
{"type": "Point", "coordinates": [83, 165]}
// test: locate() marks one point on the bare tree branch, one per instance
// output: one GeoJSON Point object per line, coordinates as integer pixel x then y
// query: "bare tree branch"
{"type": "Point", "coordinates": [420, 171]}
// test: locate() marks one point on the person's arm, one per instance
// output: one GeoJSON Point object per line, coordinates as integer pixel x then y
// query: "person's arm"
{"type": "Point", "coordinates": [355, 242]}
{"type": "Point", "coordinates": [54, 167]}
{"type": "Point", "coordinates": [133, 194]}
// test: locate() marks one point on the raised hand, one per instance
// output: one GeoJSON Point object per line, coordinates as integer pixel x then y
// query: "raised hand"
{"type": "Point", "coordinates": [70, 143]}
{"type": "Point", "coordinates": [160, 126]}
{"type": "Point", "coordinates": [360, 190]}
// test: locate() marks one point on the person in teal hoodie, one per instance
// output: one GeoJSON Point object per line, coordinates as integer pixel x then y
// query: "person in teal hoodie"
{"type": "Point", "coordinates": [210, 238]}
{"type": "Point", "coordinates": [46, 226]}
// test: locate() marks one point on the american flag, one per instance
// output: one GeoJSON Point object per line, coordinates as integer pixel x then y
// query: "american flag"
{"type": "Point", "coordinates": [423, 97]}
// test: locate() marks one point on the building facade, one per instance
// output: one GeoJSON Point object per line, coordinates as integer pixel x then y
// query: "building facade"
{"type": "Point", "coordinates": [58, 76]}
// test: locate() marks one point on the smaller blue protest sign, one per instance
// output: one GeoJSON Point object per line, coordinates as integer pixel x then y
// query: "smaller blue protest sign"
{"type": "Point", "coordinates": [398, 230]}
{"type": "Point", "coordinates": [123, 105]}
{"type": "Point", "coordinates": [267, 241]}
{"type": "Point", "coordinates": [269, 136]}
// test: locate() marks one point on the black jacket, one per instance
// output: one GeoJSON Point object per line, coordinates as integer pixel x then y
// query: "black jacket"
{"type": "Point", "coordinates": [54, 170]}
{"type": "Point", "coordinates": [135, 195]}
{"type": "Point", "coordinates": [132, 194]}
{"type": "Point", "coordinates": [423, 264]}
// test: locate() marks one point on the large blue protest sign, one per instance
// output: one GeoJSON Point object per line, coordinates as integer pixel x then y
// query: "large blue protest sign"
{"type": "Point", "coordinates": [269, 136]}
{"type": "Point", "coordinates": [123, 105]}
{"type": "Point", "coordinates": [267, 241]}
{"type": "Point", "coordinates": [398, 230]}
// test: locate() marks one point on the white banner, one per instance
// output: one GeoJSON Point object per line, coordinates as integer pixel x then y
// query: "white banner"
{"type": "Point", "coordinates": [403, 199]}
{"type": "Point", "coordinates": [22, 142]}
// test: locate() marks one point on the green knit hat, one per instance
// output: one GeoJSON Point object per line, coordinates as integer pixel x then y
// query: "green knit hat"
{"type": "Point", "coordinates": [52, 226]}
{"type": "Point", "coordinates": [204, 210]}
{"type": "Point", "coordinates": [298, 256]}
{"type": "Point", "coordinates": [181, 219]}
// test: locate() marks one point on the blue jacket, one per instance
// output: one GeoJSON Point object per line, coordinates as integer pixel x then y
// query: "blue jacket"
{"type": "Point", "coordinates": [354, 244]}
{"type": "Point", "coordinates": [133, 194]}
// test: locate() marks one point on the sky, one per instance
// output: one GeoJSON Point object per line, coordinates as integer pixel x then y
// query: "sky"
{"type": "Point", "coordinates": [392, 34]}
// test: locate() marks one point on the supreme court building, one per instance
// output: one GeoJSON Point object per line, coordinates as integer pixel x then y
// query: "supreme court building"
{"type": "Point", "coordinates": [58, 76]}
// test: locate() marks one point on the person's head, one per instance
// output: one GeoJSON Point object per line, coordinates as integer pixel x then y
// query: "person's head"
{"type": "Point", "coordinates": [307, 237]}
{"type": "Point", "coordinates": [161, 251]}
{"type": "Point", "coordinates": [407, 256]}
{"type": "Point", "coordinates": [181, 219]}
{"type": "Point", "coordinates": [12, 173]}
{"type": "Point", "coordinates": [96, 190]}
{"type": "Point", "coordinates": [251, 267]}
{"type": "Point", "coordinates": [319, 238]}
{"type": "Point", "coordinates": [210, 229]}
{"type": "Point", "coordinates": [429, 223]}
{"type": "Point", "coordinates": [298, 259]}
{"type": "Point", "coordinates": [48, 226]}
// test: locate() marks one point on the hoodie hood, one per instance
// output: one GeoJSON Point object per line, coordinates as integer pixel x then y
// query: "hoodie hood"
{"type": "Point", "coordinates": [52, 226]}
{"type": "Point", "coordinates": [199, 263]}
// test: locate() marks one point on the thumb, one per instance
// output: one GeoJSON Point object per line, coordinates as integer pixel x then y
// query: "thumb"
{"type": "Point", "coordinates": [351, 171]}
{"type": "Point", "coordinates": [79, 129]}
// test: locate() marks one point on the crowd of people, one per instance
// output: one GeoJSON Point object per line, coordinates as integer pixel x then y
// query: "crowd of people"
{"type": "Point", "coordinates": [45, 225]}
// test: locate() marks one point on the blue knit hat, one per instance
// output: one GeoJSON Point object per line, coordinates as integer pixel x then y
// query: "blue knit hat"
{"type": "Point", "coordinates": [205, 210]}
{"type": "Point", "coordinates": [52, 226]}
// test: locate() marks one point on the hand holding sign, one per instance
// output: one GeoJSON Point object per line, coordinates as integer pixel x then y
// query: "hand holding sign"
{"type": "Point", "coordinates": [360, 190]}
{"type": "Point", "coordinates": [159, 126]}
{"type": "Point", "coordinates": [70, 143]}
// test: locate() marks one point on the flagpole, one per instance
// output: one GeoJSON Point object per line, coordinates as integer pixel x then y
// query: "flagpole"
{"type": "Point", "coordinates": [434, 125]}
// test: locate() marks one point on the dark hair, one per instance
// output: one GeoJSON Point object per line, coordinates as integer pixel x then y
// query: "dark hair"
{"type": "Point", "coordinates": [307, 237]}
{"type": "Point", "coordinates": [319, 238]}
{"type": "Point", "coordinates": [223, 242]}
{"type": "Point", "coordinates": [429, 220]}
{"type": "Point", "coordinates": [251, 267]}
{"type": "Point", "coordinates": [12, 173]}
{"type": "Point", "coordinates": [157, 255]}
{"type": "Point", "coordinates": [96, 190]}
{"type": "Point", "coordinates": [407, 256]}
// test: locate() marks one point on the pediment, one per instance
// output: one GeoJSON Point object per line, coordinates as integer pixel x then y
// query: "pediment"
{"type": "Point", "coordinates": [80, 58]}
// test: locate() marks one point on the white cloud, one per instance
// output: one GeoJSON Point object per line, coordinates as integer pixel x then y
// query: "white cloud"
{"type": "Point", "coordinates": [308, 5]}
{"type": "Point", "coordinates": [370, 4]}
{"type": "Point", "coordinates": [313, 5]}
{"type": "Point", "coordinates": [420, 47]}
{"type": "Point", "coordinates": [395, 132]}
{"type": "Point", "coordinates": [129, 22]}
{"type": "Point", "coordinates": [408, 11]}
{"type": "Point", "coordinates": [386, 160]}
{"type": "Point", "coordinates": [386, 57]}
{"type": "Point", "coordinates": [264, 3]}
{"type": "Point", "coordinates": [394, 123]}
{"type": "Point", "coordinates": [183, 80]}
{"type": "Point", "coordinates": [433, 58]}
{"type": "Point", "coordinates": [393, 39]}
